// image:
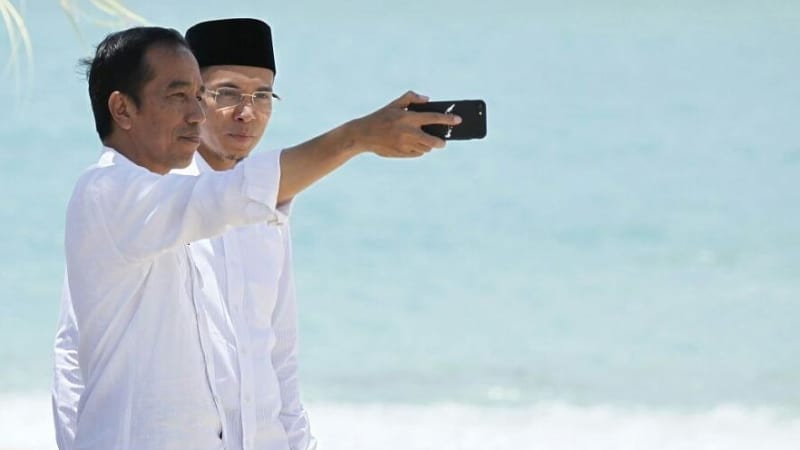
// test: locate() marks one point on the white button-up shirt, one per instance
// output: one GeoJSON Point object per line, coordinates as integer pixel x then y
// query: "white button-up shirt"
{"type": "Point", "coordinates": [254, 334]}
{"type": "Point", "coordinates": [138, 298]}
{"type": "Point", "coordinates": [250, 309]}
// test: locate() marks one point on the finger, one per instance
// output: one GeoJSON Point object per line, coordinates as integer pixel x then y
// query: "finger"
{"type": "Point", "coordinates": [431, 118]}
{"type": "Point", "coordinates": [421, 148]}
{"type": "Point", "coordinates": [411, 149]}
{"type": "Point", "coordinates": [429, 140]}
{"type": "Point", "coordinates": [399, 154]}
{"type": "Point", "coordinates": [405, 151]}
{"type": "Point", "coordinates": [408, 98]}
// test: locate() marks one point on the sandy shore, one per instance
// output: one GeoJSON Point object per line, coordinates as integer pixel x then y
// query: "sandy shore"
{"type": "Point", "coordinates": [26, 425]}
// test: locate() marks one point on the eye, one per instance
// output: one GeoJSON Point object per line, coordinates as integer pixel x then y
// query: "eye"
{"type": "Point", "coordinates": [227, 97]}
{"type": "Point", "coordinates": [262, 96]}
{"type": "Point", "coordinates": [228, 92]}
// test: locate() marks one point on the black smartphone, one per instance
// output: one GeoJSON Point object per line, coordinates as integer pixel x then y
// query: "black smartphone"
{"type": "Point", "coordinates": [472, 113]}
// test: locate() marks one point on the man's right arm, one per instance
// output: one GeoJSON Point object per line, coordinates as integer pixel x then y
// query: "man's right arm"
{"type": "Point", "coordinates": [144, 214]}
{"type": "Point", "coordinates": [389, 132]}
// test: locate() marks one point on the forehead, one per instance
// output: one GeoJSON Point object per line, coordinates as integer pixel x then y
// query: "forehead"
{"type": "Point", "coordinates": [172, 63]}
{"type": "Point", "coordinates": [249, 77]}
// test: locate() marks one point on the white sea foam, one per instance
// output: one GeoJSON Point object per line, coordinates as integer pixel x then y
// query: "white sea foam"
{"type": "Point", "coordinates": [25, 424]}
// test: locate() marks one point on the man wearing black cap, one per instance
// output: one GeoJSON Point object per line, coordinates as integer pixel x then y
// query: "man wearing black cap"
{"type": "Point", "coordinates": [256, 375]}
{"type": "Point", "coordinates": [251, 309]}
{"type": "Point", "coordinates": [237, 64]}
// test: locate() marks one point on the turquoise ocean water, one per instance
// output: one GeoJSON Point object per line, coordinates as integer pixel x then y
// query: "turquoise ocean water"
{"type": "Point", "coordinates": [620, 255]}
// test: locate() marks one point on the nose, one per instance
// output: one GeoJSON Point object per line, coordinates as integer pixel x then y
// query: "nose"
{"type": "Point", "coordinates": [196, 113]}
{"type": "Point", "coordinates": [245, 111]}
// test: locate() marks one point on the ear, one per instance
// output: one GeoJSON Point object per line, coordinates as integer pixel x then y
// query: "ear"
{"type": "Point", "coordinates": [122, 109]}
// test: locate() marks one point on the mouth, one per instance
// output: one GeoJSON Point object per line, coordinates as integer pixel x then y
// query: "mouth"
{"type": "Point", "coordinates": [193, 138]}
{"type": "Point", "coordinates": [241, 135]}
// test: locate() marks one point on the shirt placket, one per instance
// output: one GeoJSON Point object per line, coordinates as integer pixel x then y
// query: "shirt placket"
{"type": "Point", "coordinates": [235, 269]}
{"type": "Point", "coordinates": [203, 334]}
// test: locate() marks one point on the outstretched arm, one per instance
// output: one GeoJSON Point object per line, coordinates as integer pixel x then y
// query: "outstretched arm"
{"type": "Point", "coordinates": [391, 132]}
{"type": "Point", "coordinates": [145, 214]}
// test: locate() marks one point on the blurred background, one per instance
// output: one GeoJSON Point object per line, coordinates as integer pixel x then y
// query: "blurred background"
{"type": "Point", "coordinates": [616, 266]}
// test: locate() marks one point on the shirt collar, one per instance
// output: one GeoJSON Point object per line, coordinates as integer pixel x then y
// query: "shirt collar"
{"type": "Point", "coordinates": [111, 157]}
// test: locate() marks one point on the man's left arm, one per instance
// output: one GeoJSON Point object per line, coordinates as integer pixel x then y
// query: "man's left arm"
{"type": "Point", "coordinates": [67, 380]}
{"type": "Point", "coordinates": [293, 415]}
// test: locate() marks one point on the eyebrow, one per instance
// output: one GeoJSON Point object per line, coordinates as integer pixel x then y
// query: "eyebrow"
{"type": "Point", "coordinates": [180, 84]}
{"type": "Point", "coordinates": [177, 84]}
{"type": "Point", "coordinates": [232, 85]}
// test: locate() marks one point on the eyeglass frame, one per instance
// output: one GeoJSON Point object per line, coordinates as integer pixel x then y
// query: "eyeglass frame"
{"type": "Point", "coordinates": [214, 93]}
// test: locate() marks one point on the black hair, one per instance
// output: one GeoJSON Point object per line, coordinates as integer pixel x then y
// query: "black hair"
{"type": "Point", "coordinates": [119, 65]}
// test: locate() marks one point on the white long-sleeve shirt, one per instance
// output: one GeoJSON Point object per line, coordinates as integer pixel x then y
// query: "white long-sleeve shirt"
{"type": "Point", "coordinates": [250, 307]}
{"type": "Point", "coordinates": [138, 299]}
{"type": "Point", "coordinates": [254, 331]}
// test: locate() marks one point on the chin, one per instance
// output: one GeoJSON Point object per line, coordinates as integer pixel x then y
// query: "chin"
{"type": "Point", "coordinates": [184, 159]}
{"type": "Point", "coordinates": [183, 163]}
{"type": "Point", "coordinates": [237, 151]}
{"type": "Point", "coordinates": [180, 164]}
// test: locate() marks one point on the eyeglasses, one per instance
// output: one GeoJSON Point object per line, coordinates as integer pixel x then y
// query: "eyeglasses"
{"type": "Point", "coordinates": [226, 97]}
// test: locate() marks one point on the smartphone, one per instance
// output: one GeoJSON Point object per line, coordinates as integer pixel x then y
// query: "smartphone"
{"type": "Point", "coordinates": [472, 113]}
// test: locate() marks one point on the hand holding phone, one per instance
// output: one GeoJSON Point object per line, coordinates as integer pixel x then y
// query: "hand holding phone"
{"type": "Point", "coordinates": [472, 113]}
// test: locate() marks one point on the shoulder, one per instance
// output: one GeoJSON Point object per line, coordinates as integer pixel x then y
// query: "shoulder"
{"type": "Point", "coordinates": [108, 180]}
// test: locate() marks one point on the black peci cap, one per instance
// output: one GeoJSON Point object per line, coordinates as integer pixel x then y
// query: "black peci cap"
{"type": "Point", "coordinates": [241, 42]}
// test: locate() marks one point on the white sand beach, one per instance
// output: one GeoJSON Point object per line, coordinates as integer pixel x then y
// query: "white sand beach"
{"type": "Point", "coordinates": [26, 426]}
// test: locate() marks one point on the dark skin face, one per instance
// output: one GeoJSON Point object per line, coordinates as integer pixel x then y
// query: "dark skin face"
{"type": "Point", "coordinates": [230, 133]}
{"type": "Point", "coordinates": [163, 131]}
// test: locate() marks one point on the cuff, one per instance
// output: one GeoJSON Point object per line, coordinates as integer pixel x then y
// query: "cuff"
{"type": "Point", "coordinates": [262, 176]}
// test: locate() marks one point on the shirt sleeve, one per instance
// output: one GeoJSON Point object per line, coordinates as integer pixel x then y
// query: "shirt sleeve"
{"type": "Point", "coordinates": [293, 415]}
{"type": "Point", "coordinates": [67, 381]}
{"type": "Point", "coordinates": [145, 214]}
